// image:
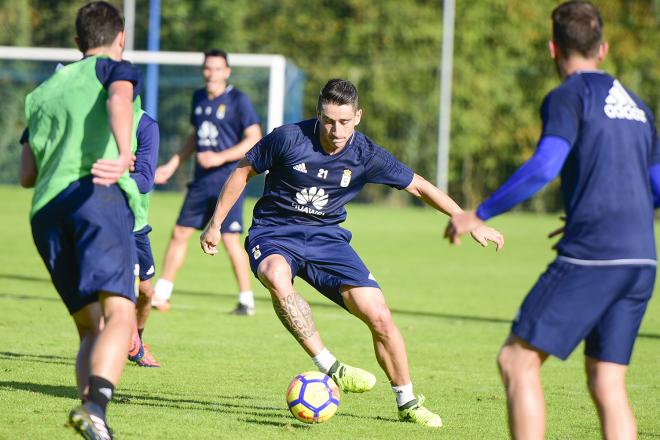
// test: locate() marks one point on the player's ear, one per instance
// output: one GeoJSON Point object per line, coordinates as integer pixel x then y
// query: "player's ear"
{"type": "Point", "coordinates": [553, 49]}
{"type": "Point", "coordinates": [358, 116]}
{"type": "Point", "coordinates": [603, 49]}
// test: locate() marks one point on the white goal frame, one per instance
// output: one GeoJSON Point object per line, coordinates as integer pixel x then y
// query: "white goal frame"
{"type": "Point", "coordinates": [276, 65]}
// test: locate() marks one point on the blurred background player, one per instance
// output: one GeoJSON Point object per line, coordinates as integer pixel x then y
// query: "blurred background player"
{"type": "Point", "coordinates": [602, 139]}
{"type": "Point", "coordinates": [225, 127]}
{"type": "Point", "coordinates": [80, 127]}
{"type": "Point", "coordinates": [142, 172]}
{"type": "Point", "coordinates": [315, 168]}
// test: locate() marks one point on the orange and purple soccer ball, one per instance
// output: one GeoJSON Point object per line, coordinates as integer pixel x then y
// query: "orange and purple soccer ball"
{"type": "Point", "coordinates": [312, 397]}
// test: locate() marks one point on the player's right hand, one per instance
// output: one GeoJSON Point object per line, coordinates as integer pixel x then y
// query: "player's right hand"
{"type": "Point", "coordinates": [209, 239]}
{"type": "Point", "coordinates": [163, 174]}
{"type": "Point", "coordinates": [108, 171]}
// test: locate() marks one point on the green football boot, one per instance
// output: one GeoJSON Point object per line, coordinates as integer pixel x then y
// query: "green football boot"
{"type": "Point", "coordinates": [415, 412]}
{"type": "Point", "coordinates": [351, 379]}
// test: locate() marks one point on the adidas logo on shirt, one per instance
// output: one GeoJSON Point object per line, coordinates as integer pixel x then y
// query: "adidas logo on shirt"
{"type": "Point", "coordinates": [300, 167]}
{"type": "Point", "coordinates": [619, 105]}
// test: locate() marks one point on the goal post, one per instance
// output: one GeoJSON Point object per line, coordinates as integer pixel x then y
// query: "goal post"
{"type": "Point", "coordinates": [273, 83]}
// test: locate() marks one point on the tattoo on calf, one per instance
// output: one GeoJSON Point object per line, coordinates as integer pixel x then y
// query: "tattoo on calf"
{"type": "Point", "coordinates": [296, 315]}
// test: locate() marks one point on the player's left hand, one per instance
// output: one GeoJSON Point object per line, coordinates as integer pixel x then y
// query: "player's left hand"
{"type": "Point", "coordinates": [131, 166]}
{"type": "Point", "coordinates": [482, 234]}
{"type": "Point", "coordinates": [209, 159]}
{"type": "Point", "coordinates": [108, 171]}
{"type": "Point", "coordinates": [460, 224]}
{"type": "Point", "coordinates": [209, 239]}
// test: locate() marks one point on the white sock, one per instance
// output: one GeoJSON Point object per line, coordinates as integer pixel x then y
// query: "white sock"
{"type": "Point", "coordinates": [404, 394]}
{"type": "Point", "coordinates": [324, 360]}
{"type": "Point", "coordinates": [163, 289]}
{"type": "Point", "coordinates": [246, 298]}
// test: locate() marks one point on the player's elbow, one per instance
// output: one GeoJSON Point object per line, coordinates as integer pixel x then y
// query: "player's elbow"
{"type": "Point", "coordinates": [416, 187]}
{"type": "Point", "coordinates": [28, 181]}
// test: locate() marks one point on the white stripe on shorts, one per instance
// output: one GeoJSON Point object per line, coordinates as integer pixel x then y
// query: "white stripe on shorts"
{"type": "Point", "coordinates": [620, 262]}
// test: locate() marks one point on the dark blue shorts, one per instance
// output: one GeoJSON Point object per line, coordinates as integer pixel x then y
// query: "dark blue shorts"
{"type": "Point", "coordinates": [199, 205]}
{"type": "Point", "coordinates": [602, 305]}
{"type": "Point", "coordinates": [320, 255]}
{"type": "Point", "coordinates": [144, 256]}
{"type": "Point", "coordinates": [84, 236]}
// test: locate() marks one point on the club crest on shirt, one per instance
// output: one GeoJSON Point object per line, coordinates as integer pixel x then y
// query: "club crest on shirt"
{"type": "Point", "coordinates": [220, 113]}
{"type": "Point", "coordinates": [345, 178]}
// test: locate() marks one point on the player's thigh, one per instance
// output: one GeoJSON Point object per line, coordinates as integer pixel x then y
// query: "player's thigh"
{"type": "Point", "coordinates": [331, 263]}
{"type": "Point", "coordinates": [613, 337]}
{"type": "Point", "coordinates": [564, 306]}
{"type": "Point", "coordinates": [145, 256]}
{"type": "Point", "coordinates": [366, 303]}
{"type": "Point", "coordinates": [196, 207]}
{"type": "Point", "coordinates": [285, 244]}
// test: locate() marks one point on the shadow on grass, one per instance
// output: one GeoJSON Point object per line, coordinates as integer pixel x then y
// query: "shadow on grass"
{"type": "Point", "coordinates": [256, 414]}
{"type": "Point", "coordinates": [413, 313]}
{"type": "Point", "coordinates": [185, 292]}
{"type": "Point", "coordinates": [41, 358]}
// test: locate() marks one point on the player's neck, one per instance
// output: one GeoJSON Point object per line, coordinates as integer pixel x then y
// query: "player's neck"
{"type": "Point", "coordinates": [215, 91]}
{"type": "Point", "coordinates": [569, 66]}
{"type": "Point", "coordinates": [113, 52]}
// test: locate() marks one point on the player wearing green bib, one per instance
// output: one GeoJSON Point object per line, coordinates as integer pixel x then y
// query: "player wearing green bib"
{"type": "Point", "coordinates": [80, 124]}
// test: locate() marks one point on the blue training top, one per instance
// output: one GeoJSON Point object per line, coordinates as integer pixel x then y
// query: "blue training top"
{"type": "Point", "coordinates": [146, 155]}
{"type": "Point", "coordinates": [306, 185]}
{"type": "Point", "coordinates": [220, 123]}
{"type": "Point", "coordinates": [605, 138]}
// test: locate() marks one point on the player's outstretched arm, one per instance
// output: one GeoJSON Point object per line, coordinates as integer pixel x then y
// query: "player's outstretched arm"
{"type": "Point", "coordinates": [434, 197]}
{"type": "Point", "coordinates": [210, 159]}
{"type": "Point", "coordinates": [165, 171]}
{"type": "Point", "coordinates": [231, 191]}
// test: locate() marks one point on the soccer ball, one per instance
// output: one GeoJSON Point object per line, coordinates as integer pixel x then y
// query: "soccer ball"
{"type": "Point", "coordinates": [313, 397]}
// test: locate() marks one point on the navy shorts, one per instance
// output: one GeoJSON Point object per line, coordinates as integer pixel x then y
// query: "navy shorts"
{"type": "Point", "coordinates": [602, 305]}
{"type": "Point", "coordinates": [320, 255]}
{"type": "Point", "coordinates": [199, 205]}
{"type": "Point", "coordinates": [84, 236]}
{"type": "Point", "coordinates": [144, 256]}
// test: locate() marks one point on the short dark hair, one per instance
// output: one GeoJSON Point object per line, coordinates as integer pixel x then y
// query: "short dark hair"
{"type": "Point", "coordinates": [338, 91]}
{"type": "Point", "coordinates": [577, 27]}
{"type": "Point", "coordinates": [216, 53]}
{"type": "Point", "coordinates": [97, 25]}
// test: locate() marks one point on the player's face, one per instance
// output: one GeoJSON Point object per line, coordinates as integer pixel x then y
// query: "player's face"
{"type": "Point", "coordinates": [215, 72]}
{"type": "Point", "coordinates": [337, 124]}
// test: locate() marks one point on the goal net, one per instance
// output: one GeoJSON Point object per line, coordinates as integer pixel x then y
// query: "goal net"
{"type": "Point", "coordinates": [273, 84]}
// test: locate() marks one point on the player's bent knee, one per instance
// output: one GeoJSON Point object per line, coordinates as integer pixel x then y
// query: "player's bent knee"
{"type": "Point", "coordinates": [275, 273]}
{"type": "Point", "coordinates": [181, 233]}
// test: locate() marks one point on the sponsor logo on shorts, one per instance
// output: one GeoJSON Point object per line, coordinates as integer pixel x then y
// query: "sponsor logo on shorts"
{"type": "Point", "coordinates": [235, 226]}
{"type": "Point", "coordinates": [313, 196]}
{"type": "Point", "coordinates": [372, 277]}
{"type": "Point", "coordinates": [256, 252]}
{"type": "Point", "coordinates": [151, 270]}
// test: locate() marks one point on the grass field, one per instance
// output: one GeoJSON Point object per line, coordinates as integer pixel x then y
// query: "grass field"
{"type": "Point", "coordinates": [225, 376]}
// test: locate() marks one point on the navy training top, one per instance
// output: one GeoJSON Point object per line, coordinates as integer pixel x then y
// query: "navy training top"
{"type": "Point", "coordinates": [220, 123]}
{"type": "Point", "coordinates": [307, 186]}
{"type": "Point", "coordinates": [605, 180]}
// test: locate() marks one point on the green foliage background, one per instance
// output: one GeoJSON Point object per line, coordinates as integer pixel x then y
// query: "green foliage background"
{"type": "Point", "coordinates": [391, 50]}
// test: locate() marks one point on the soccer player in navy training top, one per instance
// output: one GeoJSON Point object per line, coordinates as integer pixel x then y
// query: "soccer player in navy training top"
{"type": "Point", "coordinates": [225, 127]}
{"type": "Point", "coordinates": [602, 139]}
{"type": "Point", "coordinates": [142, 172]}
{"type": "Point", "coordinates": [79, 150]}
{"type": "Point", "coordinates": [315, 168]}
